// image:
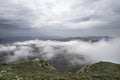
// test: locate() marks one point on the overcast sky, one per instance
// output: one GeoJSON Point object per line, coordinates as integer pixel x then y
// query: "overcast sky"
{"type": "Point", "coordinates": [62, 18]}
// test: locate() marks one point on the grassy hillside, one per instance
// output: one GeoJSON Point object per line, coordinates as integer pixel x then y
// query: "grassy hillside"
{"type": "Point", "coordinates": [43, 70]}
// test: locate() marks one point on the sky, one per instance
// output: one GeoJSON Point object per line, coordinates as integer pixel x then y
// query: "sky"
{"type": "Point", "coordinates": [59, 18]}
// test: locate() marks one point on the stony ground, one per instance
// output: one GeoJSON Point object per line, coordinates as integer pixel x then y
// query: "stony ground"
{"type": "Point", "coordinates": [43, 70]}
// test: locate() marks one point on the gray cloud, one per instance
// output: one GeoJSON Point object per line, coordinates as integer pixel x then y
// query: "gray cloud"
{"type": "Point", "coordinates": [60, 18]}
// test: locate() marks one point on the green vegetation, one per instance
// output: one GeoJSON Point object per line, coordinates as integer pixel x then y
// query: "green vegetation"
{"type": "Point", "coordinates": [43, 70]}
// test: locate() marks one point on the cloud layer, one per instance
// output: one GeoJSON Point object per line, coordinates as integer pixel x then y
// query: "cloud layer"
{"type": "Point", "coordinates": [70, 14]}
{"type": "Point", "coordinates": [60, 18]}
{"type": "Point", "coordinates": [62, 54]}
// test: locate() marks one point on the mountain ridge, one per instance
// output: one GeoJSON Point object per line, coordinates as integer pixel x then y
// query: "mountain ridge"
{"type": "Point", "coordinates": [37, 69]}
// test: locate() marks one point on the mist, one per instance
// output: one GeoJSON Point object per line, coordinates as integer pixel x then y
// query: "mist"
{"type": "Point", "coordinates": [62, 54]}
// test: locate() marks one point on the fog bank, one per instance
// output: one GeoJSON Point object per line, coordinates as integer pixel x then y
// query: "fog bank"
{"type": "Point", "coordinates": [63, 54]}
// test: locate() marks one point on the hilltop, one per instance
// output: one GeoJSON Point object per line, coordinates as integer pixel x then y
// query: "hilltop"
{"type": "Point", "coordinates": [37, 69]}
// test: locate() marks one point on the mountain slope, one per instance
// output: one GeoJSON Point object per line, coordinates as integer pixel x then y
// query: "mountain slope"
{"type": "Point", "coordinates": [43, 70]}
{"type": "Point", "coordinates": [102, 71]}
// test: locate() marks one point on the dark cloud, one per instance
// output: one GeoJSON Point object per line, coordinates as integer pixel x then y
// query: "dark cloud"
{"type": "Point", "coordinates": [59, 18]}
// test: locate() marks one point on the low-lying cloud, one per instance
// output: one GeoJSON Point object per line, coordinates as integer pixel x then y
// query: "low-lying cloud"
{"type": "Point", "coordinates": [62, 53]}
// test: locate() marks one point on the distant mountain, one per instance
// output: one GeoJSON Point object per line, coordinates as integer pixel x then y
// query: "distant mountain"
{"type": "Point", "coordinates": [13, 39]}
{"type": "Point", "coordinates": [8, 40]}
{"type": "Point", "coordinates": [37, 69]}
{"type": "Point", "coordinates": [24, 38]}
{"type": "Point", "coordinates": [89, 38]}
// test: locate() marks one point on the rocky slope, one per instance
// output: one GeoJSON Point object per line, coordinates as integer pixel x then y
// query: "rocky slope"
{"type": "Point", "coordinates": [37, 69]}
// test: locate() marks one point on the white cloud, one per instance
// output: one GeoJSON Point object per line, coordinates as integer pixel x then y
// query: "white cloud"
{"type": "Point", "coordinates": [39, 13]}
{"type": "Point", "coordinates": [76, 52]}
